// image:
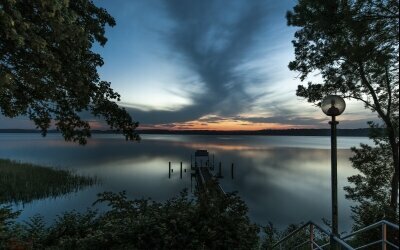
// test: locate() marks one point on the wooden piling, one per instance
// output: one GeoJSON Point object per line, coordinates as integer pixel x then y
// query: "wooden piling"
{"type": "Point", "coordinates": [181, 170]}
{"type": "Point", "coordinates": [169, 170]}
{"type": "Point", "coordinates": [219, 170]}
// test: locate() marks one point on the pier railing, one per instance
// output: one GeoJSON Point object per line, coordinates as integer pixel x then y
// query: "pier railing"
{"type": "Point", "coordinates": [304, 238]}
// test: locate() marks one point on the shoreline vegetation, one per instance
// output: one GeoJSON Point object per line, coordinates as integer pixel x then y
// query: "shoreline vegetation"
{"type": "Point", "coordinates": [361, 132]}
{"type": "Point", "coordinates": [212, 221]}
{"type": "Point", "coordinates": [24, 182]}
{"type": "Point", "coordinates": [182, 222]}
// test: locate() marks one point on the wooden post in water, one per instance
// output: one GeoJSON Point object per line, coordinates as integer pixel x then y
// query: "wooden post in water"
{"type": "Point", "coordinates": [169, 170]}
{"type": "Point", "coordinates": [181, 170]}
{"type": "Point", "coordinates": [219, 171]}
{"type": "Point", "coordinates": [232, 171]}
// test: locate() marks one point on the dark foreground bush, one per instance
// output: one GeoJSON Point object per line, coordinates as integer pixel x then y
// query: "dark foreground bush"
{"type": "Point", "coordinates": [204, 222]}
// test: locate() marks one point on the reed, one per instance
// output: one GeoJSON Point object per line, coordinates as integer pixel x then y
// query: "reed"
{"type": "Point", "coordinates": [23, 182]}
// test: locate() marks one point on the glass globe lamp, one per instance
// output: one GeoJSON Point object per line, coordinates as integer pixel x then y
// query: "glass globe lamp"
{"type": "Point", "coordinates": [333, 105]}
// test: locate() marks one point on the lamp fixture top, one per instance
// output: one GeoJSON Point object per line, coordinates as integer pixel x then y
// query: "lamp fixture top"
{"type": "Point", "coordinates": [333, 105]}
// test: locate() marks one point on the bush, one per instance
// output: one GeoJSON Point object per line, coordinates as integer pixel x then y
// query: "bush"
{"type": "Point", "coordinates": [206, 221]}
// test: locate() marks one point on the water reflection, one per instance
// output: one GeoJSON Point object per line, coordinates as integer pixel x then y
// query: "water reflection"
{"type": "Point", "coordinates": [282, 179]}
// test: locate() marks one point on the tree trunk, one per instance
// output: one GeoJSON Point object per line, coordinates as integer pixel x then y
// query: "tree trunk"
{"type": "Point", "coordinates": [395, 178]}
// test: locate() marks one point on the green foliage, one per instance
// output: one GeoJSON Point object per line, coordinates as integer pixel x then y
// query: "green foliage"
{"type": "Point", "coordinates": [22, 182]}
{"type": "Point", "coordinates": [272, 236]}
{"type": "Point", "coordinates": [48, 71]}
{"type": "Point", "coordinates": [373, 182]}
{"type": "Point", "coordinates": [371, 187]}
{"type": "Point", "coordinates": [354, 45]}
{"type": "Point", "coordinates": [208, 222]}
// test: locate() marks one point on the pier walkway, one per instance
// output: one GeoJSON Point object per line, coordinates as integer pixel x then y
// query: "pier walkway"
{"type": "Point", "coordinates": [206, 181]}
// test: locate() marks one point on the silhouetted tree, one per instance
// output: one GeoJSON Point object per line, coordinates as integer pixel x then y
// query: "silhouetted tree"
{"type": "Point", "coordinates": [371, 187]}
{"type": "Point", "coordinates": [355, 47]}
{"type": "Point", "coordinates": [48, 71]}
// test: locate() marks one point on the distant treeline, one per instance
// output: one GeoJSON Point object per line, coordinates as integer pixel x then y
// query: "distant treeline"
{"type": "Point", "coordinates": [287, 132]}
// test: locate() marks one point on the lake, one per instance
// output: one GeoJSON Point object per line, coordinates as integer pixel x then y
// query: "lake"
{"type": "Point", "coordinates": [282, 179]}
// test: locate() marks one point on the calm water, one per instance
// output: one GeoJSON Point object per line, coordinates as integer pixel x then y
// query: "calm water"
{"type": "Point", "coordinates": [282, 179]}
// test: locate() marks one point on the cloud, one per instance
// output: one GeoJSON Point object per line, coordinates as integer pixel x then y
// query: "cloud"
{"type": "Point", "coordinates": [213, 41]}
{"type": "Point", "coordinates": [285, 119]}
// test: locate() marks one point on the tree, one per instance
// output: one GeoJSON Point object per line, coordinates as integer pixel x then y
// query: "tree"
{"type": "Point", "coordinates": [48, 71]}
{"type": "Point", "coordinates": [354, 45]}
{"type": "Point", "coordinates": [370, 188]}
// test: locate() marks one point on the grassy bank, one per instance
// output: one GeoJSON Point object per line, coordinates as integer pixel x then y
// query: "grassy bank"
{"type": "Point", "coordinates": [23, 182]}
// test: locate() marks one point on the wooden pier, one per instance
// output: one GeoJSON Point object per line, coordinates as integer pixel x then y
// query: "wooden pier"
{"type": "Point", "coordinates": [201, 169]}
{"type": "Point", "coordinates": [204, 179]}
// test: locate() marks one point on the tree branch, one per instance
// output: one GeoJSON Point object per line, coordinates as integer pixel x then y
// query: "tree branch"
{"type": "Point", "coordinates": [378, 17]}
{"type": "Point", "coordinates": [368, 104]}
{"type": "Point", "coordinates": [389, 91]}
{"type": "Point", "coordinates": [368, 85]}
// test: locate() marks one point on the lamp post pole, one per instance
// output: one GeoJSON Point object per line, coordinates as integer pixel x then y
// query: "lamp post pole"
{"type": "Point", "coordinates": [333, 124]}
{"type": "Point", "coordinates": [333, 106]}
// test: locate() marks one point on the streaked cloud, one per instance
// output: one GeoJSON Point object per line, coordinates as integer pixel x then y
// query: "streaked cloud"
{"type": "Point", "coordinates": [206, 64]}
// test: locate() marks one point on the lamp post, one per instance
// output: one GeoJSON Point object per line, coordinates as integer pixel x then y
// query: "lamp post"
{"type": "Point", "coordinates": [333, 106]}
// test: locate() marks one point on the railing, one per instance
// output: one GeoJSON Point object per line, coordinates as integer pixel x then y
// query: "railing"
{"type": "Point", "coordinates": [384, 239]}
{"type": "Point", "coordinates": [326, 237]}
{"type": "Point", "coordinates": [313, 244]}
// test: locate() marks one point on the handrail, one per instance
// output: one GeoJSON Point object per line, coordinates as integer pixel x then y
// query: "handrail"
{"type": "Point", "coordinates": [301, 244]}
{"type": "Point", "coordinates": [291, 234]}
{"type": "Point", "coordinates": [383, 224]}
{"type": "Point", "coordinates": [395, 226]}
{"type": "Point", "coordinates": [390, 243]}
{"type": "Point", "coordinates": [341, 240]}
{"type": "Point", "coordinates": [343, 243]}
{"type": "Point", "coordinates": [338, 240]}
{"type": "Point", "coordinates": [319, 247]}
{"type": "Point", "coordinates": [379, 223]}
{"type": "Point", "coordinates": [369, 244]}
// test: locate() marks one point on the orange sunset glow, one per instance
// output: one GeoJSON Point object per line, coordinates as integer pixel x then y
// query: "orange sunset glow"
{"type": "Point", "coordinates": [224, 125]}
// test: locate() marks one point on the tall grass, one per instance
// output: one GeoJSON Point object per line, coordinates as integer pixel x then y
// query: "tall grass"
{"type": "Point", "coordinates": [23, 182]}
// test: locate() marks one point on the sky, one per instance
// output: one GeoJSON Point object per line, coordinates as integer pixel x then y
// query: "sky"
{"type": "Point", "coordinates": [206, 64]}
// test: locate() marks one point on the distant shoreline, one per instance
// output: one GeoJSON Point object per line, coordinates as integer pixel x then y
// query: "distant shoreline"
{"type": "Point", "coordinates": [360, 132]}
